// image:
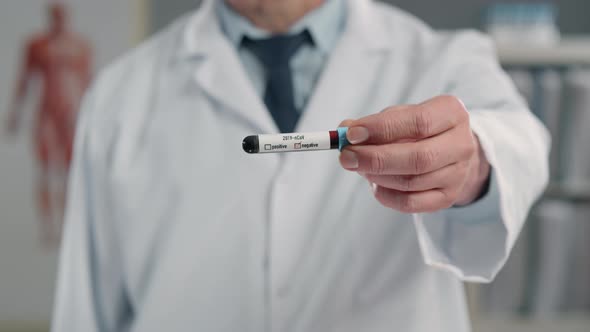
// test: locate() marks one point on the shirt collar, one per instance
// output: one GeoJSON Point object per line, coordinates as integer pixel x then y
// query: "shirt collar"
{"type": "Point", "coordinates": [325, 24]}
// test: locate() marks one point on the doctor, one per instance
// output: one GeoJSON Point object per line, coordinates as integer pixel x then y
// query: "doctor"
{"type": "Point", "coordinates": [172, 227]}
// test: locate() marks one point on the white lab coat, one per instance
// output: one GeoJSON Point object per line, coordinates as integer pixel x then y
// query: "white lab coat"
{"type": "Point", "coordinates": [172, 227]}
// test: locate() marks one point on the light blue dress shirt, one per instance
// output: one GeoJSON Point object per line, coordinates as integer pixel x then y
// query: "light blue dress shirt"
{"type": "Point", "coordinates": [325, 24]}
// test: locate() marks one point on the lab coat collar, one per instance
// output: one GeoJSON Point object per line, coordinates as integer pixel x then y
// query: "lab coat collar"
{"type": "Point", "coordinates": [325, 24]}
{"type": "Point", "coordinates": [222, 76]}
{"type": "Point", "coordinates": [219, 71]}
{"type": "Point", "coordinates": [345, 87]}
{"type": "Point", "coordinates": [204, 29]}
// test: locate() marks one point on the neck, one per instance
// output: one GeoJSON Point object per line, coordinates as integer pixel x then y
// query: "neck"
{"type": "Point", "coordinates": [275, 16]}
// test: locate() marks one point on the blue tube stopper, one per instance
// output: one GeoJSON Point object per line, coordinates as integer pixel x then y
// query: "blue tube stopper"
{"type": "Point", "coordinates": [342, 140]}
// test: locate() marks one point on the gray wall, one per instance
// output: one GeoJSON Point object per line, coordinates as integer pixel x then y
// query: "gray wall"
{"type": "Point", "coordinates": [442, 14]}
{"type": "Point", "coordinates": [164, 11]}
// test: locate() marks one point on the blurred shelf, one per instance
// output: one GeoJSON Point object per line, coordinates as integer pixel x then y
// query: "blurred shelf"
{"type": "Point", "coordinates": [563, 191]}
{"type": "Point", "coordinates": [579, 323]}
{"type": "Point", "coordinates": [571, 51]}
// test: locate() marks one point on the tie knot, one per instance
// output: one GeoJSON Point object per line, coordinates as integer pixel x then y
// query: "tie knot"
{"type": "Point", "coordinates": [277, 50]}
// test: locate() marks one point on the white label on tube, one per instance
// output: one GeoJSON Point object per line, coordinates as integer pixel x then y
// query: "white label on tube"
{"type": "Point", "coordinates": [294, 142]}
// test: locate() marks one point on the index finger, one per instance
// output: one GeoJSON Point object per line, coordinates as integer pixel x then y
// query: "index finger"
{"type": "Point", "coordinates": [398, 123]}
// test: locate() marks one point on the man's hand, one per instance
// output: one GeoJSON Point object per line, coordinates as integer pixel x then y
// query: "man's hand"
{"type": "Point", "coordinates": [418, 158]}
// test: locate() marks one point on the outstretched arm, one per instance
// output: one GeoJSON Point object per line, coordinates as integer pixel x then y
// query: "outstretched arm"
{"type": "Point", "coordinates": [26, 71]}
{"type": "Point", "coordinates": [468, 165]}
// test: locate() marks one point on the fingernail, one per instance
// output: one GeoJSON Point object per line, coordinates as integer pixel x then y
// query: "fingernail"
{"type": "Point", "coordinates": [357, 135]}
{"type": "Point", "coordinates": [349, 160]}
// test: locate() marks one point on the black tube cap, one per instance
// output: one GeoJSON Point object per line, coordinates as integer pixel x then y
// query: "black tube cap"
{"type": "Point", "coordinates": [250, 144]}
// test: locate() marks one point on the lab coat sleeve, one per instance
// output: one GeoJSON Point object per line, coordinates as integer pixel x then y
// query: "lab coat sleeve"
{"type": "Point", "coordinates": [89, 294]}
{"type": "Point", "coordinates": [474, 242]}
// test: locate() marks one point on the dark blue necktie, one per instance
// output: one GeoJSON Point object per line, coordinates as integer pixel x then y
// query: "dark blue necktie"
{"type": "Point", "coordinates": [275, 54]}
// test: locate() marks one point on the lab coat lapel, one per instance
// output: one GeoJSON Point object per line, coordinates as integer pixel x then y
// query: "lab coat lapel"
{"type": "Point", "coordinates": [219, 71]}
{"type": "Point", "coordinates": [345, 86]}
{"type": "Point", "coordinates": [346, 89]}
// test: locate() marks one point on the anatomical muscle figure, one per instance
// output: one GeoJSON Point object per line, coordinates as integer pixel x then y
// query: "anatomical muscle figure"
{"type": "Point", "coordinates": [61, 61]}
